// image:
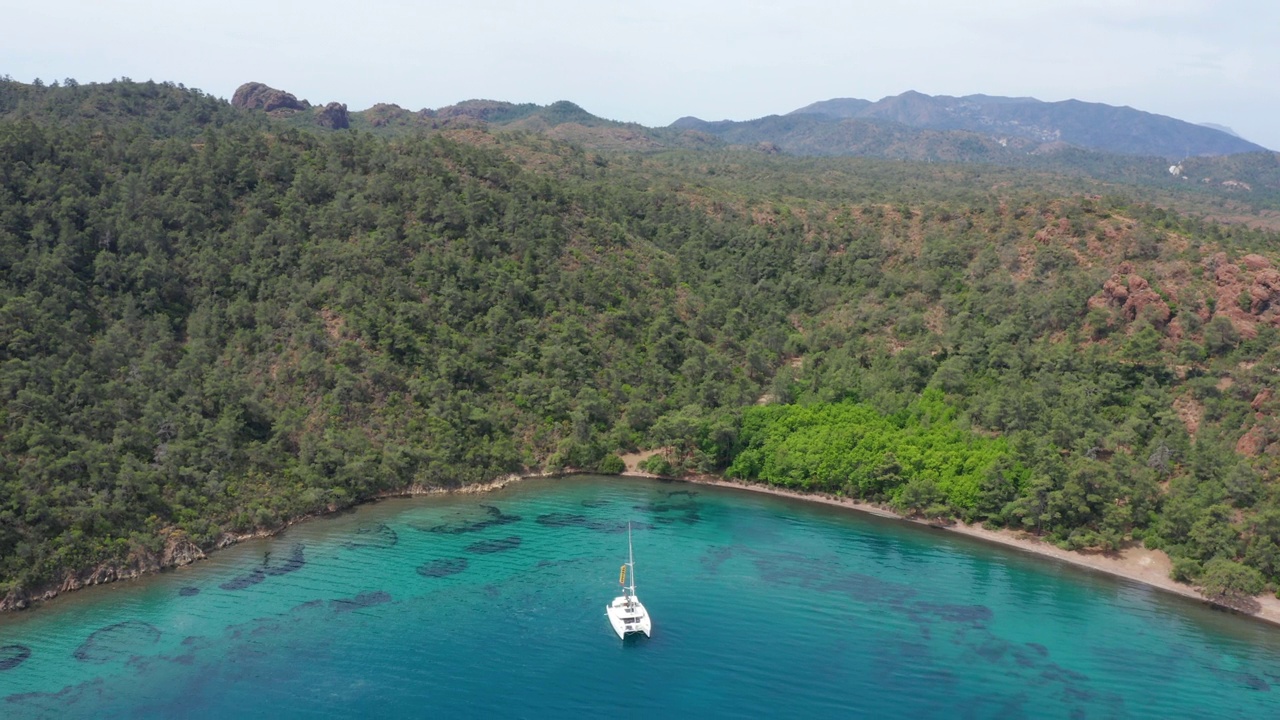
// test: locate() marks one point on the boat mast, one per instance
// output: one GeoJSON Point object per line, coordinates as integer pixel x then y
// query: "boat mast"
{"type": "Point", "coordinates": [631, 561]}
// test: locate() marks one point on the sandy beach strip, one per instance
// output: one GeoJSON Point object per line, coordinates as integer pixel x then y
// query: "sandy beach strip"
{"type": "Point", "coordinates": [1139, 564]}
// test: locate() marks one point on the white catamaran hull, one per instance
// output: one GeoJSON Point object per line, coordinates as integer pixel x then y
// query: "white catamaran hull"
{"type": "Point", "coordinates": [626, 614]}
{"type": "Point", "coordinates": [628, 617]}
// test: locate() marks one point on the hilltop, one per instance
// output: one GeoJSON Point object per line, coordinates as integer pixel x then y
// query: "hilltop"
{"type": "Point", "coordinates": [561, 120]}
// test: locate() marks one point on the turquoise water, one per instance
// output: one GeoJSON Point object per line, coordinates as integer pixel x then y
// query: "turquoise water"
{"type": "Point", "coordinates": [493, 605]}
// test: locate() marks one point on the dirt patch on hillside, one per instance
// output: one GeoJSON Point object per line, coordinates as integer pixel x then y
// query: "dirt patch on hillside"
{"type": "Point", "coordinates": [633, 460]}
{"type": "Point", "coordinates": [1190, 412]}
{"type": "Point", "coordinates": [333, 324]}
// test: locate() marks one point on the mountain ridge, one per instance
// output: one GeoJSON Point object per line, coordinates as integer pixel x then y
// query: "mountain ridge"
{"type": "Point", "coordinates": [1029, 124]}
{"type": "Point", "coordinates": [1097, 126]}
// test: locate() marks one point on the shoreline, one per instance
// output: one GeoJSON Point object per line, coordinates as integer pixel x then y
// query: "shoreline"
{"type": "Point", "coordinates": [180, 551]}
{"type": "Point", "coordinates": [1135, 563]}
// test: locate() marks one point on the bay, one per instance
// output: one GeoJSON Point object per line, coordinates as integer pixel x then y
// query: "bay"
{"type": "Point", "coordinates": [493, 605]}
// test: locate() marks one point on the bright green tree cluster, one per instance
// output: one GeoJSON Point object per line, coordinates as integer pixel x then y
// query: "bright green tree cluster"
{"type": "Point", "coordinates": [913, 458]}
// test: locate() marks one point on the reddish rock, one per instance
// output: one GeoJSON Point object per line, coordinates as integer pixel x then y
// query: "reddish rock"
{"type": "Point", "coordinates": [1247, 330]}
{"type": "Point", "coordinates": [1260, 399]}
{"type": "Point", "coordinates": [384, 114]}
{"type": "Point", "coordinates": [1101, 300]}
{"type": "Point", "coordinates": [1134, 296]}
{"type": "Point", "coordinates": [1268, 278]}
{"type": "Point", "coordinates": [1255, 262]}
{"type": "Point", "coordinates": [1259, 297]}
{"type": "Point", "coordinates": [333, 116]}
{"type": "Point", "coordinates": [1265, 290]}
{"type": "Point", "coordinates": [1226, 274]}
{"type": "Point", "coordinates": [1252, 443]}
{"type": "Point", "coordinates": [1115, 290]}
{"type": "Point", "coordinates": [1142, 301]}
{"type": "Point", "coordinates": [257, 96]}
{"type": "Point", "coordinates": [179, 550]}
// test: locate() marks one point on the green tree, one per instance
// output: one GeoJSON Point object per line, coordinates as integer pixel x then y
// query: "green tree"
{"type": "Point", "coordinates": [1220, 336]}
{"type": "Point", "coordinates": [1224, 579]}
{"type": "Point", "coordinates": [612, 465]}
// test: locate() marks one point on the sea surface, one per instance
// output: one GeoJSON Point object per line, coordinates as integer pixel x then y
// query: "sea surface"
{"type": "Point", "coordinates": [493, 606]}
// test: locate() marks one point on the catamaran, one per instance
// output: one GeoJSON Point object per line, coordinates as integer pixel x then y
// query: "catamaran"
{"type": "Point", "coordinates": [626, 614]}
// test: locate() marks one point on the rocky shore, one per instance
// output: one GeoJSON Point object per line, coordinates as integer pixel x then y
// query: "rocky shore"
{"type": "Point", "coordinates": [179, 550]}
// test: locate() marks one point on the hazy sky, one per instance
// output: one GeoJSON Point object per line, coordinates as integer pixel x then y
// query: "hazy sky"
{"type": "Point", "coordinates": [652, 62]}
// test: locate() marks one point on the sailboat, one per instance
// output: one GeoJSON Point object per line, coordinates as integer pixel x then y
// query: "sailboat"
{"type": "Point", "coordinates": [626, 613]}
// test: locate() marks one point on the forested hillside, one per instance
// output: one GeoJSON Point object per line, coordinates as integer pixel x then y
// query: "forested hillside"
{"type": "Point", "coordinates": [212, 322]}
{"type": "Point", "coordinates": [215, 334]}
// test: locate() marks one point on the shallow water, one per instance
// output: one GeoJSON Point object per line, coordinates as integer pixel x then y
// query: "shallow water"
{"type": "Point", "coordinates": [494, 605]}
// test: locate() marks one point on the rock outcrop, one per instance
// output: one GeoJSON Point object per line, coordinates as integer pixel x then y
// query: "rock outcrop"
{"type": "Point", "coordinates": [1248, 292]}
{"type": "Point", "coordinates": [482, 110]}
{"type": "Point", "coordinates": [1252, 443]}
{"type": "Point", "coordinates": [1265, 290]}
{"type": "Point", "coordinates": [257, 96]}
{"type": "Point", "coordinates": [278, 103]}
{"type": "Point", "coordinates": [333, 116]}
{"type": "Point", "coordinates": [179, 550]}
{"type": "Point", "coordinates": [384, 114]}
{"type": "Point", "coordinates": [1261, 399]}
{"type": "Point", "coordinates": [1254, 263]}
{"type": "Point", "coordinates": [1133, 296]}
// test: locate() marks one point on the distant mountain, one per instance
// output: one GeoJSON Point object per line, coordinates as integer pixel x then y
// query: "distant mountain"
{"type": "Point", "coordinates": [812, 134]}
{"type": "Point", "coordinates": [1094, 126]}
{"type": "Point", "coordinates": [1220, 128]}
{"type": "Point", "coordinates": [837, 108]}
